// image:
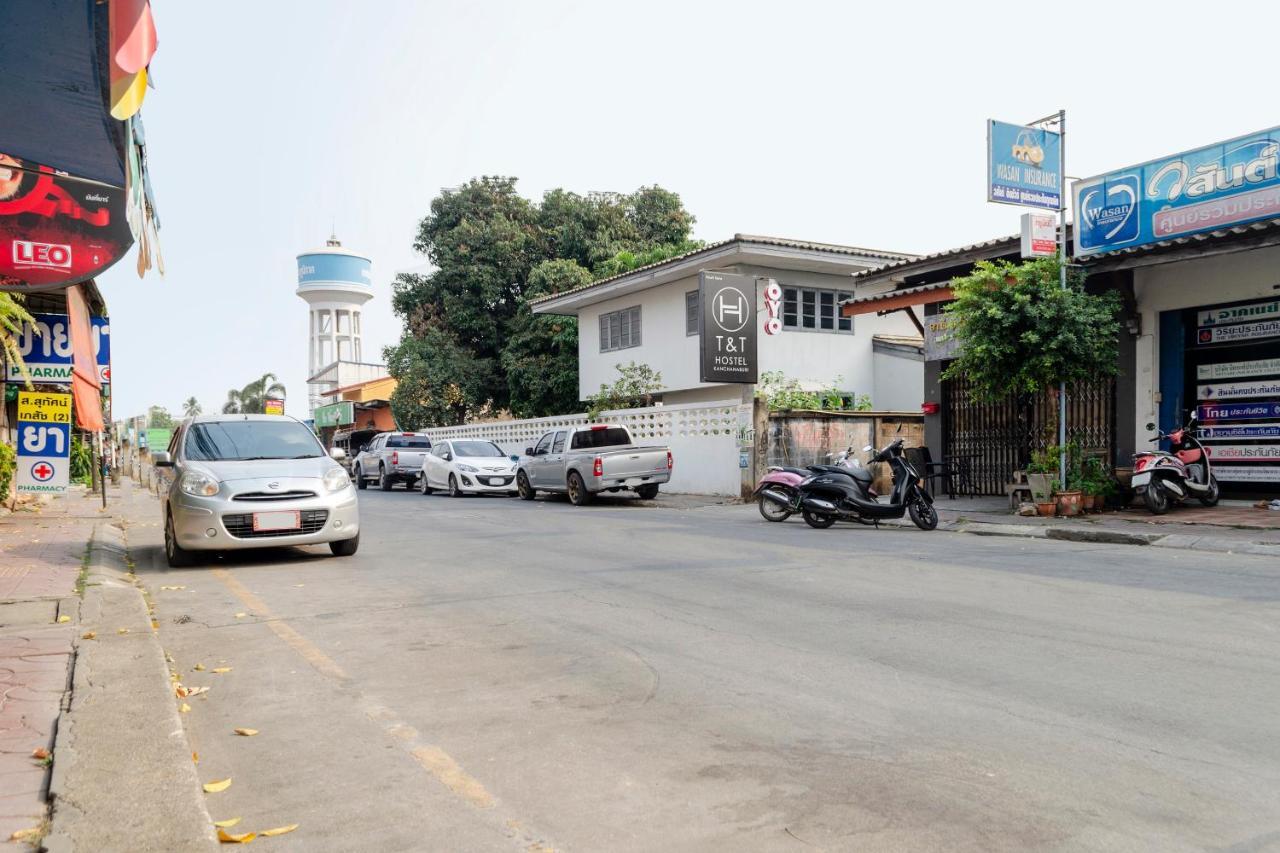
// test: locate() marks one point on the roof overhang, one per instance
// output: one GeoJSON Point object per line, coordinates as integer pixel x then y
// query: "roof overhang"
{"type": "Point", "coordinates": [896, 300]}
{"type": "Point", "coordinates": [1225, 241]}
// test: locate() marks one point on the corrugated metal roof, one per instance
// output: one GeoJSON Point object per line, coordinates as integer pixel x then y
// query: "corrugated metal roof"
{"type": "Point", "coordinates": [903, 267]}
{"type": "Point", "coordinates": [831, 248]}
{"type": "Point", "coordinates": [1190, 239]}
{"type": "Point", "coordinates": [902, 340]}
{"type": "Point", "coordinates": [895, 294]}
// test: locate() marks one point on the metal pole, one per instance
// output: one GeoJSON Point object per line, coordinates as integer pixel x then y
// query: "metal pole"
{"type": "Point", "coordinates": [1062, 266]}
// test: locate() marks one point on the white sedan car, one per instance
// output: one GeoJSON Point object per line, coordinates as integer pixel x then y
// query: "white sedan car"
{"type": "Point", "coordinates": [467, 467]}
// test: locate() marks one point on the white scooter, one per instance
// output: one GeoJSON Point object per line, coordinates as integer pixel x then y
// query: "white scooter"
{"type": "Point", "coordinates": [1164, 479]}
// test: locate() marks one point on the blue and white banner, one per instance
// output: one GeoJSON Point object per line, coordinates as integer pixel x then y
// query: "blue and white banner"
{"type": "Point", "coordinates": [1023, 165]}
{"type": "Point", "coordinates": [45, 346]}
{"type": "Point", "coordinates": [1238, 411]}
{"type": "Point", "coordinates": [1240, 313]}
{"type": "Point", "coordinates": [1238, 332]}
{"type": "Point", "coordinates": [1218, 186]}
{"type": "Point", "coordinates": [1238, 369]}
{"type": "Point", "coordinates": [1245, 452]}
{"type": "Point", "coordinates": [1220, 433]}
{"type": "Point", "coordinates": [1247, 474]}
{"type": "Point", "coordinates": [1239, 390]}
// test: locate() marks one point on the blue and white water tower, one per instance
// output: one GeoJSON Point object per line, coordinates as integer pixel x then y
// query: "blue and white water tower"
{"type": "Point", "coordinates": [336, 283]}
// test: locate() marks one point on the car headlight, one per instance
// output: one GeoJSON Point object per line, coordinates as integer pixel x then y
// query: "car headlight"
{"type": "Point", "coordinates": [336, 479]}
{"type": "Point", "coordinates": [468, 469]}
{"type": "Point", "coordinates": [199, 484]}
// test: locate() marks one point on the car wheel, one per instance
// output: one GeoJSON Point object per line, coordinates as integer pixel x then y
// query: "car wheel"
{"type": "Point", "coordinates": [422, 484]}
{"type": "Point", "coordinates": [177, 556]}
{"type": "Point", "coordinates": [647, 493]}
{"type": "Point", "coordinates": [454, 491]}
{"type": "Point", "coordinates": [523, 487]}
{"type": "Point", "coordinates": [361, 482]}
{"type": "Point", "coordinates": [346, 547]}
{"type": "Point", "coordinates": [384, 479]}
{"type": "Point", "coordinates": [578, 494]}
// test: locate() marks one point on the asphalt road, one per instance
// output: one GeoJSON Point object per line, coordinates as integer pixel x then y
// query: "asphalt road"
{"type": "Point", "coordinates": [490, 674]}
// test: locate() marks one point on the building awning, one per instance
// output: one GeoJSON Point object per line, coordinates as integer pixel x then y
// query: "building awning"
{"type": "Point", "coordinates": [897, 300]}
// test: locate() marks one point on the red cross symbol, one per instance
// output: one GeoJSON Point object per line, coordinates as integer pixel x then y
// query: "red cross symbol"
{"type": "Point", "coordinates": [42, 471]}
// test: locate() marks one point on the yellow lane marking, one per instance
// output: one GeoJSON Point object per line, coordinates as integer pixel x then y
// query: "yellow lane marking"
{"type": "Point", "coordinates": [433, 759]}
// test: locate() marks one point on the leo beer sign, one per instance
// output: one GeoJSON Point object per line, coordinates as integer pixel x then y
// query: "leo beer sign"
{"type": "Point", "coordinates": [55, 229]}
{"type": "Point", "coordinates": [45, 346]}
{"type": "Point", "coordinates": [44, 442]}
{"type": "Point", "coordinates": [728, 345]}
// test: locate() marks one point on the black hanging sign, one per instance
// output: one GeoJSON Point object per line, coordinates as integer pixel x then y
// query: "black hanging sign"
{"type": "Point", "coordinates": [728, 307]}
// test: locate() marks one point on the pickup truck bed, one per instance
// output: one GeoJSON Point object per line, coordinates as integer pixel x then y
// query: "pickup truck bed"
{"type": "Point", "coordinates": [584, 461]}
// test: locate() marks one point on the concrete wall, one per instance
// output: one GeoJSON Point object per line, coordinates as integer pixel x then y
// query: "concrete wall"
{"type": "Point", "coordinates": [1188, 284]}
{"type": "Point", "coordinates": [899, 381]}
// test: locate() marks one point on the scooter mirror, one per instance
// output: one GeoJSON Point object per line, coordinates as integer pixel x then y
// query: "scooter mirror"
{"type": "Point", "coordinates": [1150, 425]}
{"type": "Point", "coordinates": [868, 449]}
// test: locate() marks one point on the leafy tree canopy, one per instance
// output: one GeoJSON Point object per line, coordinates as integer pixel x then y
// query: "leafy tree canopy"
{"type": "Point", "coordinates": [252, 398]}
{"type": "Point", "coordinates": [541, 355]}
{"type": "Point", "coordinates": [1021, 332]}
{"type": "Point", "coordinates": [635, 386]}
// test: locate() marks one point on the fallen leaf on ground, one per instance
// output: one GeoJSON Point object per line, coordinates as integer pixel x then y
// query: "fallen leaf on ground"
{"type": "Point", "coordinates": [198, 667]}
{"type": "Point", "coordinates": [89, 635]}
{"type": "Point", "coordinates": [64, 618]}
{"type": "Point", "coordinates": [243, 838]}
{"type": "Point", "coordinates": [215, 787]}
{"type": "Point", "coordinates": [40, 753]}
{"type": "Point", "coordinates": [196, 691]}
{"type": "Point", "coordinates": [26, 834]}
{"type": "Point", "coordinates": [220, 669]}
{"type": "Point", "coordinates": [155, 626]}
{"type": "Point", "coordinates": [246, 732]}
{"type": "Point", "coordinates": [173, 587]}
{"type": "Point", "coordinates": [180, 691]}
{"type": "Point", "coordinates": [241, 615]}
{"type": "Point", "coordinates": [184, 708]}
{"type": "Point", "coordinates": [195, 758]}
{"type": "Point", "coordinates": [299, 584]}
{"type": "Point", "coordinates": [122, 630]}
{"type": "Point", "coordinates": [279, 830]}
{"type": "Point", "coordinates": [226, 824]}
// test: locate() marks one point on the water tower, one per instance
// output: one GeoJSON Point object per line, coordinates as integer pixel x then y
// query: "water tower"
{"type": "Point", "coordinates": [336, 283]}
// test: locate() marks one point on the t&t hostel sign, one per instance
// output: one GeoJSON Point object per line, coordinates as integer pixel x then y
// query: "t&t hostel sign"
{"type": "Point", "coordinates": [44, 442]}
{"type": "Point", "coordinates": [728, 327]}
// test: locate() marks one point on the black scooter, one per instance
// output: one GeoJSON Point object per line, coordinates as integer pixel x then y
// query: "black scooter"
{"type": "Point", "coordinates": [830, 496]}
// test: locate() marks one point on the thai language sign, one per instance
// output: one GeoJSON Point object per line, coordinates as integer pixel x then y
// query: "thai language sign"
{"type": "Point", "coordinates": [1240, 313]}
{"type": "Point", "coordinates": [1238, 369]}
{"type": "Point", "coordinates": [335, 414]}
{"type": "Point", "coordinates": [1244, 452]}
{"type": "Point", "coordinates": [1238, 332]}
{"type": "Point", "coordinates": [45, 345]}
{"type": "Point", "coordinates": [939, 343]}
{"type": "Point", "coordinates": [1247, 474]}
{"type": "Point", "coordinates": [1240, 390]}
{"type": "Point", "coordinates": [1217, 186]}
{"type": "Point", "coordinates": [1219, 433]}
{"type": "Point", "coordinates": [1238, 411]}
{"type": "Point", "coordinates": [44, 442]}
{"type": "Point", "coordinates": [1023, 165]}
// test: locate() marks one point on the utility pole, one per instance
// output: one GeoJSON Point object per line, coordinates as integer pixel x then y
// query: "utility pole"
{"type": "Point", "coordinates": [1062, 265]}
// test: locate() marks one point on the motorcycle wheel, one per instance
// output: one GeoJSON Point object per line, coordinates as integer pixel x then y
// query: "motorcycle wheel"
{"type": "Point", "coordinates": [1156, 499]}
{"type": "Point", "coordinates": [771, 511]}
{"type": "Point", "coordinates": [923, 514]}
{"type": "Point", "coordinates": [1211, 498]}
{"type": "Point", "coordinates": [818, 522]}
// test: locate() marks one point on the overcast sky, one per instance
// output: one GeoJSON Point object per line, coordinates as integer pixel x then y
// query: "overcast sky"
{"type": "Point", "coordinates": [858, 123]}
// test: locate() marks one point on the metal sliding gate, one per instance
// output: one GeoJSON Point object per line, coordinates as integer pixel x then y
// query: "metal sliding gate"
{"type": "Point", "coordinates": [995, 438]}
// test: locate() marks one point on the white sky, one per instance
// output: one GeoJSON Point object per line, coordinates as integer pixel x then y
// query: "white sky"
{"type": "Point", "coordinates": [843, 122]}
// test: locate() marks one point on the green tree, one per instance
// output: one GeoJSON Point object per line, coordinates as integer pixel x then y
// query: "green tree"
{"type": "Point", "coordinates": [158, 417]}
{"type": "Point", "coordinates": [1021, 332]}
{"type": "Point", "coordinates": [12, 318]}
{"type": "Point", "coordinates": [191, 408]}
{"type": "Point", "coordinates": [541, 355]}
{"type": "Point", "coordinates": [252, 398]}
{"type": "Point", "coordinates": [438, 382]}
{"type": "Point", "coordinates": [635, 386]}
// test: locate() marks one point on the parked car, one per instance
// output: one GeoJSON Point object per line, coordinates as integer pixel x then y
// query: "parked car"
{"type": "Point", "coordinates": [390, 458]}
{"type": "Point", "coordinates": [584, 461]}
{"type": "Point", "coordinates": [468, 467]}
{"type": "Point", "coordinates": [351, 440]}
{"type": "Point", "coordinates": [253, 481]}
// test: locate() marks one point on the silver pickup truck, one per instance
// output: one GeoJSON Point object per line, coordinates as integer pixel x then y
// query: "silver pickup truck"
{"type": "Point", "coordinates": [583, 461]}
{"type": "Point", "coordinates": [390, 458]}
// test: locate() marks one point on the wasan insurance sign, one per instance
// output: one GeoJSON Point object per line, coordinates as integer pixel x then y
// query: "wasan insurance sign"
{"type": "Point", "coordinates": [1218, 186]}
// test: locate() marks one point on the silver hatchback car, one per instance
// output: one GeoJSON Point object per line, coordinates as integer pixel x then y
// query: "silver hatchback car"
{"type": "Point", "coordinates": [253, 481]}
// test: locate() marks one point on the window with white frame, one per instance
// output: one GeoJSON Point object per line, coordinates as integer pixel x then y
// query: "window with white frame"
{"type": "Point", "coordinates": [691, 317]}
{"type": "Point", "coordinates": [808, 309]}
{"type": "Point", "coordinates": [620, 329]}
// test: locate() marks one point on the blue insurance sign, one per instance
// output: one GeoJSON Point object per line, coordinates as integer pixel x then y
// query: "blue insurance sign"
{"type": "Point", "coordinates": [1023, 165]}
{"type": "Point", "coordinates": [1224, 184]}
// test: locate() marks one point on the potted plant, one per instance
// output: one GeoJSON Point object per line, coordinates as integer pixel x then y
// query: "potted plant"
{"type": "Point", "coordinates": [1070, 499]}
{"type": "Point", "coordinates": [1042, 476]}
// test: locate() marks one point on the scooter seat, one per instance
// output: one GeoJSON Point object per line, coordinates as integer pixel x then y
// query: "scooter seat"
{"type": "Point", "coordinates": [862, 475]}
{"type": "Point", "coordinates": [802, 472]}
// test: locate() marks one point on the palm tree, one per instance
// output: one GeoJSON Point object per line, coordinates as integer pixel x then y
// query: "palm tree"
{"type": "Point", "coordinates": [12, 318]}
{"type": "Point", "coordinates": [252, 398]}
{"type": "Point", "coordinates": [191, 408]}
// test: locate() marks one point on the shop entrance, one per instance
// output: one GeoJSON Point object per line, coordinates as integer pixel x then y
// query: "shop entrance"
{"type": "Point", "coordinates": [1222, 362]}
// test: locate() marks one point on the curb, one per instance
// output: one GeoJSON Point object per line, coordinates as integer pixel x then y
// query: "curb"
{"type": "Point", "coordinates": [122, 776]}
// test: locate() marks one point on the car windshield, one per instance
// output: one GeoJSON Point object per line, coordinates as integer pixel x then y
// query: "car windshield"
{"type": "Point", "coordinates": [601, 437]}
{"type": "Point", "coordinates": [418, 442]}
{"type": "Point", "coordinates": [476, 448]}
{"type": "Point", "coordinates": [245, 440]}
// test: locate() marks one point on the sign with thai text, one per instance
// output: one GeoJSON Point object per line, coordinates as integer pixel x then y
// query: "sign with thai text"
{"type": "Point", "coordinates": [1240, 390]}
{"type": "Point", "coordinates": [44, 442]}
{"type": "Point", "coordinates": [1238, 369]}
{"type": "Point", "coordinates": [728, 342]}
{"type": "Point", "coordinates": [45, 346]}
{"type": "Point", "coordinates": [1237, 411]}
{"type": "Point", "coordinates": [1218, 186]}
{"type": "Point", "coordinates": [1238, 332]}
{"type": "Point", "coordinates": [939, 343]}
{"type": "Point", "coordinates": [1247, 473]}
{"type": "Point", "coordinates": [1244, 452]}
{"type": "Point", "coordinates": [335, 414]}
{"type": "Point", "coordinates": [1023, 165]}
{"type": "Point", "coordinates": [1240, 313]}
{"type": "Point", "coordinates": [1039, 235]}
{"type": "Point", "coordinates": [1219, 433]}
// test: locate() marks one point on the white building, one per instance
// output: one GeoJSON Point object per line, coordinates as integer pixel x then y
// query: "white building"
{"type": "Point", "coordinates": [650, 316]}
{"type": "Point", "coordinates": [335, 283]}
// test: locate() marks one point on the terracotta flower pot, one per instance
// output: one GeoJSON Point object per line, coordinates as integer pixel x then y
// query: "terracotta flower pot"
{"type": "Point", "coordinates": [1047, 508]}
{"type": "Point", "coordinates": [1069, 504]}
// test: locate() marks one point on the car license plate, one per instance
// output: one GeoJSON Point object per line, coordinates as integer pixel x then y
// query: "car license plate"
{"type": "Point", "coordinates": [277, 520]}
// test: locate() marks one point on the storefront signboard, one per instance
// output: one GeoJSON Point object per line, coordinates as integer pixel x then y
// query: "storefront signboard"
{"type": "Point", "coordinates": [45, 346]}
{"type": "Point", "coordinates": [1220, 433]}
{"type": "Point", "coordinates": [1247, 473]}
{"type": "Point", "coordinates": [1238, 411]}
{"type": "Point", "coordinates": [1240, 390]}
{"type": "Point", "coordinates": [1218, 186]}
{"type": "Point", "coordinates": [273, 407]}
{"type": "Point", "coordinates": [44, 442]}
{"type": "Point", "coordinates": [1238, 332]}
{"type": "Point", "coordinates": [728, 327]}
{"type": "Point", "coordinates": [158, 439]}
{"type": "Point", "coordinates": [1240, 313]}
{"type": "Point", "coordinates": [1245, 452]}
{"type": "Point", "coordinates": [1022, 165]}
{"type": "Point", "coordinates": [1039, 235]}
{"type": "Point", "coordinates": [1238, 369]}
{"type": "Point", "coordinates": [939, 343]}
{"type": "Point", "coordinates": [336, 414]}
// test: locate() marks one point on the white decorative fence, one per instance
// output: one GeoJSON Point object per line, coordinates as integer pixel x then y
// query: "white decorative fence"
{"type": "Point", "coordinates": [703, 437]}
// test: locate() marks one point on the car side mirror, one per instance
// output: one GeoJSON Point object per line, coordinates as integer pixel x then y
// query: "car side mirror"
{"type": "Point", "coordinates": [528, 451]}
{"type": "Point", "coordinates": [162, 459]}
{"type": "Point", "coordinates": [514, 458]}
{"type": "Point", "coordinates": [337, 454]}
{"type": "Point", "coordinates": [1150, 425]}
{"type": "Point", "coordinates": [448, 457]}
{"type": "Point", "coordinates": [363, 448]}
